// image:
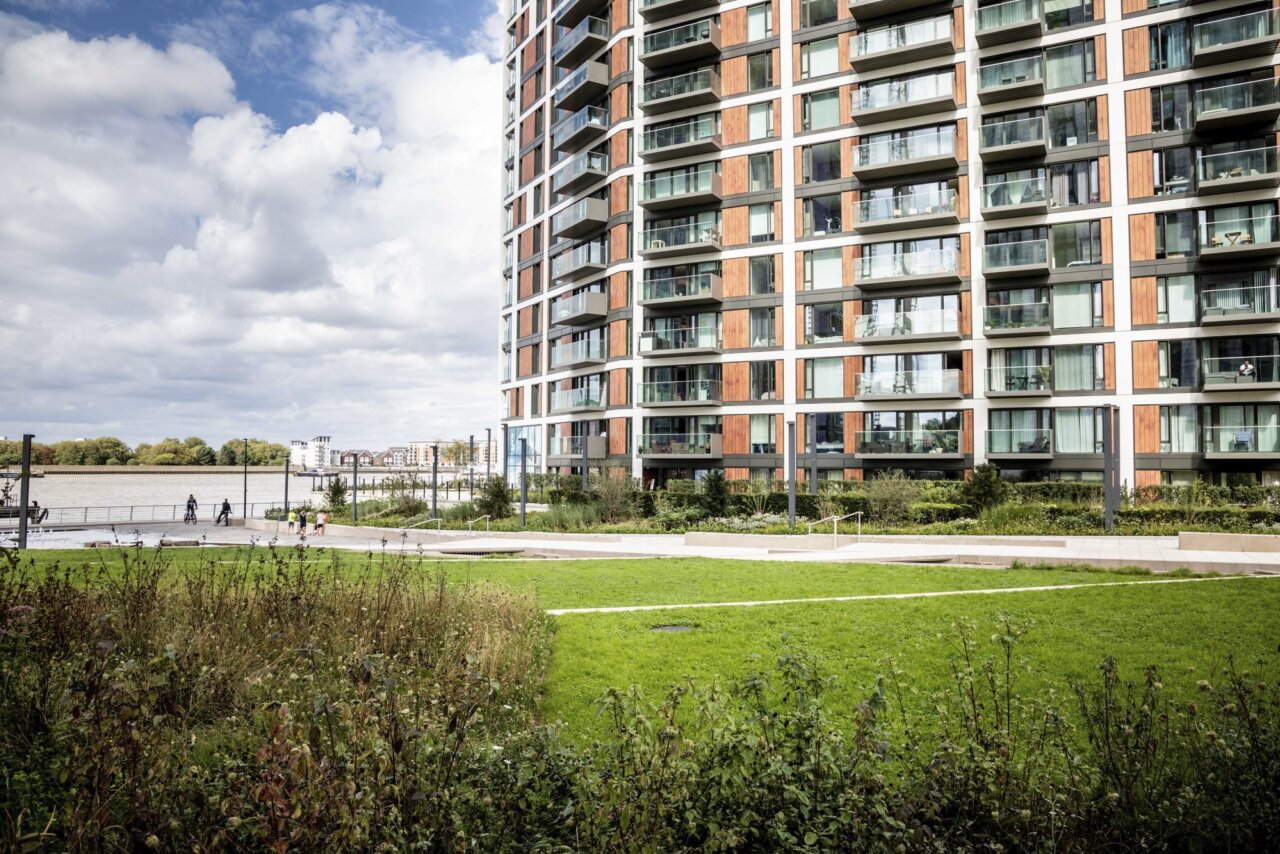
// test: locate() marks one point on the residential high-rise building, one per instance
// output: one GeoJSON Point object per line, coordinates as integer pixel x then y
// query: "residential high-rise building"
{"type": "Point", "coordinates": [313, 454]}
{"type": "Point", "coordinates": [930, 234]}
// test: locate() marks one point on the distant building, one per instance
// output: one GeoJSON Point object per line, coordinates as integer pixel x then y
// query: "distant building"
{"type": "Point", "coordinates": [364, 457]}
{"type": "Point", "coordinates": [423, 453]}
{"type": "Point", "coordinates": [392, 458]}
{"type": "Point", "coordinates": [314, 454]}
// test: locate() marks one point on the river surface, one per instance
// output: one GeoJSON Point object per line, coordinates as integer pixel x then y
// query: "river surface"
{"type": "Point", "coordinates": [132, 489]}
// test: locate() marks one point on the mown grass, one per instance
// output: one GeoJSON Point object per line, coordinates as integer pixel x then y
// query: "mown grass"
{"type": "Point", "coordinates": [1178, 627]}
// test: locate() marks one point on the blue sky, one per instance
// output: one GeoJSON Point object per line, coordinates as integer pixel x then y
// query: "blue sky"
{"type": "Point", "coordinates": [226, 27]}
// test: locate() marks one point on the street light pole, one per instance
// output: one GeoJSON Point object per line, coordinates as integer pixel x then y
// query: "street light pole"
{"type": "Point", "coordinates": [286, 486]}
{"type": "Point", "coordinates": [24, 489]}
{"type": "Point", "coordinates": [244, 510]}
{"type": "Point", "coordinates": [435, 474]}
{"type": "Point", "coordinates": [355, 487]}
{"type": "Point", "coordinates": [524, 480]}
{"type": "Point", "coordinates": [488, 452]}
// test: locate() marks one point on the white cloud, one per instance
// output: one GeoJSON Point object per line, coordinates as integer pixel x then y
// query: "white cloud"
{"type": "Point", "coordinates": [184, 267]}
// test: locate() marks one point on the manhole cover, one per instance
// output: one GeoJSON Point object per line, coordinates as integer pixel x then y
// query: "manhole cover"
{"type": "Point", "coordinates": [674, 628]}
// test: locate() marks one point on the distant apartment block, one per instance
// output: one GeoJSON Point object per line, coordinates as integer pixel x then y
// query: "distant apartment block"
{"type": "Point", "coordinates": [313, 454]}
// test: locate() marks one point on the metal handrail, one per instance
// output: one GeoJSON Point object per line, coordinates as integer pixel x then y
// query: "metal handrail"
{"type": "Point", "coordinates": [835, 526]}
{"type": "Point", "coordinates": [486, 519]}
{"type": "Point", "coordinates": [439, 523]}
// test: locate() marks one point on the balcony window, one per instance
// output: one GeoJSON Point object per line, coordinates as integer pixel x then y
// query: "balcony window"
{"type": "Point", "coordinates": [1074, 123]}
{"type": "Point", "coordinates": [1059, 14]}
{"type": "Point", "coordinates": [1178, 364]}
{"type": "Point", "coordinates": [1171, 107]}
{"type": "Point", "coordinates": [1225, 360]}
{"type": "Point", "coordinates": [912, 144]}
{"type": "Point", "coordinates": [681, 131]}
{"type": "Point", "coordinates": [1005, 71]}
{"type": "Point", "coordinates": [701, 80]}
{"type": "Point", "coordinates": [815, 13]}
{"type": "Point", "coordinates": [1236, 294]}
{"type": "Point", "coordinates": [1078, 368]}
{"type": "Point", "coordinates": [824, 323]}
{"type": "Point", "coordinates": [821, 162]}
{"type": "Point", "coordinates": [892, 37]}
{"type": "Point", "coordinates": [1175, 299]}
{"type": "Point", "coordinates": [681, 280]}
{"type": "Point", "coordinates": [1076, 244]}
{"type": "Point", "coordinates": [822, 215]}
{"type": "Point", "coordinates": [760, 171]}
{"type": "Point", "coordinates": [683, 332]}
{"type": "Point", "coordinates": [1244, 429]}
{"type": "Point", "coordinates": [908, 316]}
{"type": "Point", "coordinates": [763, 434]}
{"type": "Point", "coordinates": [1077, 430]}
{"type": "Point", "coordinates": [904, 90]}
{"type": "Point", "coordinates": [1175, 234]}
{"type": "Point", "coordinates": [823, 269]}
{"type": "Point", "coordinates": [1170, 45]}
{"type": "Point", "coordinates": [819, 58]}
{"type": "Point", "coordinates": [1178, 430]}
{"type": "Point", "coordinates": [1077, 305]}
{"type": "Point", "coordinates": [763, 381]}
{"type": "Point", "coordinates": [1020, 431]}
{"type": "Point", "coordinates": [1239, 225]}
{"type": "Point", "coordinates": [759, 71]}
{"type": "Point", "coordinates": [820, 110]}
{"type": "Point", "coordinates": [1172, 169]}
{"type": "Point", "coordinates": [1015, 187]}
{"type": "Point", "coordinates": [762, 275]}
{"type": "Point", "coordinates": [936, 432]}
{"type": "Point", "coordinates": [759, 21]}
{"type": "Point", "coordinates": [824, 378]}
{"type": "Point", "coordinates": [761, 327]}
{"type": "Point", "coordinates": [1007, 14]}
{"type": "Point", "coordinates": [1075, 183]}
{"type": "Point", "coordinates": [682, 384]}
{"type": "Point", "coordinates": [915, 373]}
{"type": "Point", "coordinates": [1069, 64]}
{"type": "Point", "coordinates": [1017, 308]}
{"type": "Point", "coordinates": [682, 181]}
{"type": "Point", "coordinates": [760, 222]}
{"type": "Point", "coordinates": [908, 257]}
{"type": "Point", "coordinates": [1019, 369]}
{"type": "Point", "coordinates": [1017, 128]}
{"type": "Point", "coordinates": [827, 434]}
{"type": "Point", "coordinates": [887, 203]}
{"type": "Point", "coordinates": [702, 227]}
{"type": "Point", "coordinates": [760, 121]}
{"type": "Point", "coordinates": [1016, 247]}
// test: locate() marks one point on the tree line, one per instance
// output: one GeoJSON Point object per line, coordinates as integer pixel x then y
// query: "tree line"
{"type": "Point", "coordinates": [110, 451]}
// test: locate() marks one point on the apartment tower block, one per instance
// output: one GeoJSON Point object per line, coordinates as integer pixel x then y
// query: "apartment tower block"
{"type": "Point", "coordinates": [931, 234]}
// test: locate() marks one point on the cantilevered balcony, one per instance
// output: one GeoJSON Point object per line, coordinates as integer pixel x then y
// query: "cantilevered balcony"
{"type": "Point", "coordinates": [693, 289]}
{"type": "Point", "coordinates": [1023, 258]}
{"type": "Point", "coordinates": [583, 86]}
{"type": "Point", "coordinates": [680, 240]}
{"type": "Point", "coordinates": [587, 38]}
{"type": "Point", "coordinates": [938, 324]}
{"type": "Point", "coordinates": [696, 135]}
{"type": "Point", "coordinates": [912, 155]}
{"type": "Point", "coordinates": [582, 171]}
{"type": "Point", "coordinates": [682, 393]}
{"type": "Point", "coordinates": [1020, 381]}
{"type": "Point", "coordinates": [918, 385]}
{"type": "Point", "coordinates": [1239, 305]}
{"type": "Point", "coordinates": [1011, 21]}
{"type": "Point", "coordinates": [1029, 443]}
{"type": "Point", "coordinates": [1233, 239]}
{"type": "Point", "coordinates": [1010, 79]}
{"type": "Point", "coordinates": [1230, 39]}
{"type": "Point", "coordinates": [1012, 140]}
{"type": "Point", "coordinates": [1237, 105]}
{"type": "Point", "coordinates": [657, 10]}
{"type": "Point", "coordinates": [693, 341]}
{"type": "Point", "coordinates": [1032, 318]}
{"type": "Point", "coordinates": [918, 267]}
{"type": "Point", "coordinates": [579, 354]}
{"type": "Point", "coordinates": [580, 129]}
{"type": "Point", "coordinates": [866, 10]}
{"type": "Point", "coordinates": [681, 188]}
{"type": "Point", "coordinates": [681, 90]}
{"type": "Point", "coordinates": [567, 450]}
{"type": "Point", "coordinates": [1016, 197]}
{"type": "Point", "coordinates": [1237, 171]}
{"type": "Point", "coordinates": [586, 307]}
{"type": "Point", "coordinates": [582, 218]}
{"type": "Point", "coordinates": [1249, 442]}
{"type": "Point", "coordinates": [683, 43]}
{"type": "Point", "coordinates": [571, 12]}
{"type": "Point", "coordinates": [680, 446]}
{"type": "Point", "coordinates": [580, 262]}
{"type": "Point", "coordinates": [904, 97]}
{"type": "Point", "coordinates": [895, 44]}
{"type": "Point", "coordinates": [922, 209]}
{"type": "Point", "coordinates": [589, 399]}
{"type": "Point", "coordinates": [1228, 373]}
{"type": "Point", "coordinates": [934, 444]}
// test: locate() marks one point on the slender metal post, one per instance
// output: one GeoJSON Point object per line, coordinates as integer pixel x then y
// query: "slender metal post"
{"type": "Point", "coordinates": [1108, 468]}
{"type": "Point", "coordinates": [506, 471]}
{"type": "Point", "coordinates": [791, 473]}
{"type": "Point", "coordinates": [244, 510]}
{"type": "Point", "coordinates": [488, 453]}
{"type": "Point", "coordinates": [286, 486]}
{"type": "Point", "coordinates": [24, 489]}
{"type": "Point", "coordinates": [355, 488]}
{"type": "Point", "coordinates": [811, 423]}
{"type": "Point", "coordinates": [435, 479]}
{"type": "Point", "coordinates": [586, 479]}
{"type": "Point", "coordinates": [524, 479]}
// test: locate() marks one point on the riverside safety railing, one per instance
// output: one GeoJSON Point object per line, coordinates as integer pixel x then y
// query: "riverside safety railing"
{"type": "Point", "coordinates": [835, 526]}
{"type": "Point", "coordinates": [130, 513]}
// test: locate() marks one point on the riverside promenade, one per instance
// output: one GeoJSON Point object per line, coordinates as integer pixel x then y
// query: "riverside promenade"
{"type": "Point", "coordinates": [1202, 553]}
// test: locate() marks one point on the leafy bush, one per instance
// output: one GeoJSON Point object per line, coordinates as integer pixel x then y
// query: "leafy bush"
{"type": "Point", "coordinates": [615, 495]}
{"type": "Point", "coordinates": [715, 493]}
{"type": "Point", "coordinates": [495, 498]}
{"type": "Point", "coordinates": [680, 518]}
{"type": "Point", "coordinates": [890, 496]}
{"type": "Point", "coordinates": [925, 512]}
{"type": "Point", "coordinates": [464, 511]}
{"type": "Point", "coordinates": [569, 517]}
{"type": "Point", "coordinates": [985, 489]}
{"type": "Point", "coordinates": [1071, 491]}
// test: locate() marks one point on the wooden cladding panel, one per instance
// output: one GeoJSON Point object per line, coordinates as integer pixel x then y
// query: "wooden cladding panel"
{"type": "Point", "coordinates": [737, 381]}
{"type": "Point", "coordinates": [962, 135]}
{"type": "Point", "coordinates": [733, 76]}
{"type": "Point", "coordinates": [618, 430]}
{"type": "Point", "coordinates": [799, 385]}
{"type": "Point", "coordinates": [526, 245]}
{"type": "Point", "coordinates": [780, 386]}
{"type": "Point", "coordinates": [736, 226]}
{"type": "Point", "coordinates": [619, 57]}
{"type": "Point", "coordinates": [618, 201]}
{"type": "Point", "coordinates": [737, 473]}
{"type": "Point", "coordinates": [959, 84]}
{"type": "Point", "coordinates": [1104, 121]}
{"type": "Point", "coordinates": [957, 27]}
{"type": "Point", "coordinates": [1142, 237]}
{"type": "Point", "coordinates": [966, 433]}
{"type": "Point", "coordinates": [619, 14]}
{"type": "Point", "coordinates": [966, 313]}
{"type": "Point", "coordinates": [1146, 429]}
{"type": "Point", "coordinates": [734, 175]}
{"type": "Point", "coordinates": [777, 325]}
{"type": "Point", "coordinates": [524, 323]}
{"type": "Point", "coordinates": [964, 258]}
{"type": "Point", "coordinates": [846, 104]}
{"type": "Point", "coordinates": [733, 27]}
{"type": "Point", "coordinates": [1129, 7]}
{"type": "Point", "coordinates": [1143, 290]}
{"type": "Point", "coordinates": [619, 387]}
{"type": "Point", "coordinates": [524, 362]}
{"type": "Point", "coordinates": [1109, 366]}
{"type": "Point", "coordinates": [962, 200]}
{"type": "Point", "coordinates": [1108, 303]}
{"type": "Point", "coordinates": [1142, 176]}
{"type": "Point", "coordinates": [1146, 364]}
{"type": "Point", "coordinates": [1104, 178]}
{"type": "Point", "coordinates": [966, 372]}
{"type": "Point", "coordinates": [619, 338]}
{"type": "Point", "coordinates": [1100, 57]}
{"type": "Point", "coordinates": [1146, 477]}
{"type": "Point", "coordinates": [620, 103]}
{"type": "Point", "coordinates": [620, 242]}
{"type": "Point", "coordinates": [1106, 239]}
{"type": "Point", "coordinates": [849, 317]}
{"type": "Point", "coordinates": [619, 149]}
{"type": "Point", "coordinates": [1137, 51]}
{"type": "Point", "coordinates": [737, 437]}
{"type": "Point", "coordinates": [734, 328]}
{"type": "Point", "coordinates": [736, 277]}
{"type": "Point", "coordinates": [1137, 112]}
{"type": "Point", "coordinates": [733, 125]}
{"type": "Point", "coordinates": [852, 366]}
{"type": "Point", "coordinates": [619, 285]}
{"type": "Point", "coordinates": [526, 283]}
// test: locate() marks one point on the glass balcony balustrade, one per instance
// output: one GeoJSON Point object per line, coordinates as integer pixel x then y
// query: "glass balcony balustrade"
{"type": "Point", "coordinates": [905, 324]}
{"type": "Point", "coordinates": [675, 392]}
{"type": "Point", "coordinates": [1020, 379]}
{"type": "Point", "coordinates": [1020, 442]}
{"type": "Point", "coordinates": [1001, 318]}
{"type": "Point", "coordinates": [946, 382]}
{"type": "Point", "coordinates": [907, 442]}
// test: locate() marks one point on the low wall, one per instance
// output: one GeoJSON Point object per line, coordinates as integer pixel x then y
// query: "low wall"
{"type": "Point", "coordinates": [825, 542]}
{"type": "Point", "coordinates": [1193, 541]}
{"type": "Point", "coordinates": [428, 536]}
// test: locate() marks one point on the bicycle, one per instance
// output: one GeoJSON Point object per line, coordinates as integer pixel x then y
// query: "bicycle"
{"type": "Point", "coordinates": [190, 517]}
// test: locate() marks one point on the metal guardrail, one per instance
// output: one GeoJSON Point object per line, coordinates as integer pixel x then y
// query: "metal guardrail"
{"type": "Point", "coordinates": [137, 513]}
{"type": "Point", "coordinates": [835, 526]}
{"type": "Point", "coordinates": [486, 519]}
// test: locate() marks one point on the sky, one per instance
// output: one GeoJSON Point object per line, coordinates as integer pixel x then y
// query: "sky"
{"type": "Point", "coordinates": [249, 217]}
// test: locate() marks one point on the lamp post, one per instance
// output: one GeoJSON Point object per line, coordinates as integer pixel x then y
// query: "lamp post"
{"type": "Point", "coordinates": [24, 489]}
{"type": "Point", "coordinates": [244, 510]}
{"type": "Point", "coordinates": [488, 452]}
{"type": "Point", "coordinates": [355, 487]}
{"type": "Point", "coordinates": [435, 474]}
{"type": "Point", "coordinates": [791, 473]}
{"type": "Point", "coordinates": [524, 481]}
{"type": "Point", "coordinates": [286, 486]}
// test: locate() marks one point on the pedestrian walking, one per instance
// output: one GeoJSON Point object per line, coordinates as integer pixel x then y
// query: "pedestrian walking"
{"type": "Point", "coordinates": [224, 515]}
{"type": "Point", "coordinates": [321, 518]}
{"type": "Point", "coordinates": [293, 520]}
{"type": "Point", "coordinates": [302, 524]}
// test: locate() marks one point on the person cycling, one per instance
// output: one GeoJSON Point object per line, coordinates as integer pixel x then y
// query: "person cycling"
{"type": "Point", "coordinates": [192, 507]}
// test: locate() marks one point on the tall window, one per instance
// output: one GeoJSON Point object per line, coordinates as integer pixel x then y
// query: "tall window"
{"type": "Point", "coordinates": [828, 433]}
{"type": "Point", "coordinates": [1172, 169]}
{"type": "Point", "coordinates": [821, 161]}
{"type": "Point", "coordinates": [824, 323]}
{"type": "Point", "coordinates": [1078, 368]}
{"type": "Point", "coordinates": [824, 378]}
{"type": "Point", "coordinates": [1074, 183]}
{"type": "Point", "coordinates": [1175, 234]}
{"type": "Point", "coordinates": [764, 381]}
{"type": "Point", "coordinates": [1069, 64]}
{"type": "Point", "coordinates": [1077, 305]}
{"type": "Point", "coordinates": [822, 215]}
{"type": "Point", "coordinates": [1170, 44]}
{"type": "Point", "coordinates": [820, 110]}
{"type": "Point", "coordinates": [760, 221]}
{"type": "Point", "coordinates": [759, 71]}
{"type": "Point", "coordinates": [762, 327]}
{"type": "Point", "coordinates": [823, 269]}
{"type": "Point", "coordinates": [1170, 107]}
{"type": "Point", "coordinates": [762, 275]}
{"type": "Point", "coordinates": [760, 169]}
{"type": "Point", "coordinates": [1077, 430]}
{"type": "Point", "coordinates": [764, 438]}
{"type": "Point", "coordinates": [760, 120]}
{"type": "Point", "coordinates": [1176, 299]}
{"type": "Point", "coordinates": [1074, 123]}
{"type": "Point", "coordinates": [815, 13]}
{"type": "Point", "coordinates": [759, 21]}
{"type": "Point", "coordinates": [819, 57]}
{"type": "Point", "coordinates": [1076, 244]}
{"type": "Point", "coordinates": [1179, 433]}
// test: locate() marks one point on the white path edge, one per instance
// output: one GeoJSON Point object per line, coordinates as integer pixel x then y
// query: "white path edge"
{"type": "Point", "coordinates": [622, 609]}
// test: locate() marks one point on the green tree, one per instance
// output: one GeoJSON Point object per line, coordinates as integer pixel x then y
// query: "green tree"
{"type": "Point", "coordinates": [229, 453]}
{"type": "Point", "coordinates": [985, 489]}
{"type": "Point", "coordinates": [204, 456]}
{"type": "Point", "coordinates": [105, 448]}
{"type": "Point", "coordinates": [335, 495]}
{"type": "Point", "coordinates": [495, 498]}
{"type": "Point", "coordinates": [167, 452]}
{"type": "Point", "coordinates": [458, 453]}
{"type": "Point", "coordinates": [68, 453]}
{"type": "Point", "coordinates": [715, 493]}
